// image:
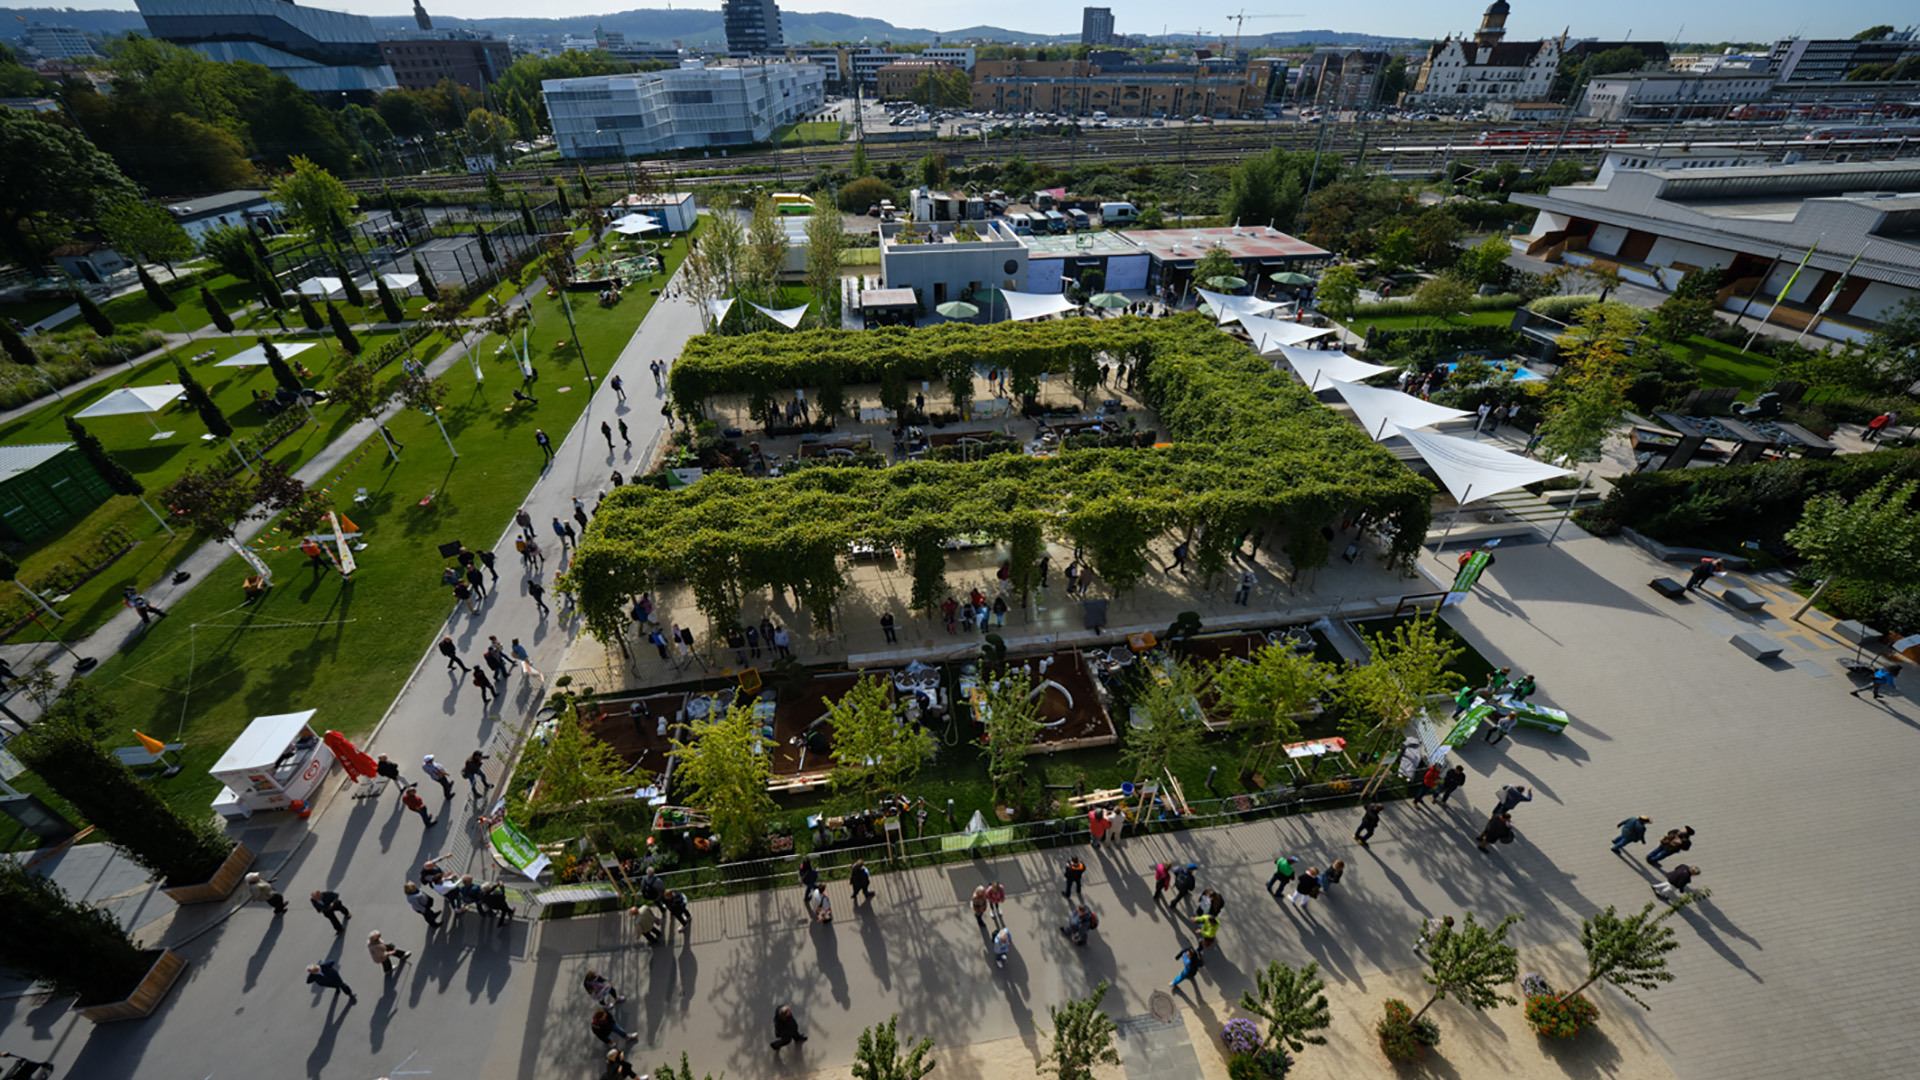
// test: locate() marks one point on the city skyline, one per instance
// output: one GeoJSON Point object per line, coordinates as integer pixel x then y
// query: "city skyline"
{"type": "Point", "coordinates": [1710, 21]}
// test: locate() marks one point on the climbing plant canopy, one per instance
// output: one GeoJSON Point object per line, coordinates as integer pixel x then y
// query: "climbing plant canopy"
{"type": "Point", "coordinates": [1250, 449]}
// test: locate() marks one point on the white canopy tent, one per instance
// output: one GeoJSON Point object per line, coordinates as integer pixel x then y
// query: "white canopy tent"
{"type": "Point", "coordinates": [135, 399]}
{"type": "Point", "coordinates": [1470, 469]}
{"type": "Point", "coordinates": [322, 288]}
{"type": "Point", "coordinates": [1271, 334]}
{"type": "Point", "coordinates": [1023, 306]}
{"type": "Point", "coordinates": [635, 225]}
{"type": "Point", "coordinates": [718, 309]}
{"type": "Point", "coordinates": [1384, 412]}
{"type": "Point", "coordinates": [1316, 366]}
{"type": "Point", "coordinates": [1227, 308]}
{"type": "Point", "coordinates": [403, 282]}
{"type": "Point", "coordinates": [787, 317]}
{"type": "Point", "coordinates": [256, 356]}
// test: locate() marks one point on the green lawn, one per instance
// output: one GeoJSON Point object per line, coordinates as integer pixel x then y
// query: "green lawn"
{"type": "Point", "coordinates": [1362, 323]}
{"type": "Point", "coordinates": [1726, 365]}
{"type": "Point", "coordinates": [32, 311]}
{"type": "Point", "coordinates": [156, 463]}
{"type": "Point", "coordinates": [346, 648]}
{"type": "Point", "coordinates": [809, 133]}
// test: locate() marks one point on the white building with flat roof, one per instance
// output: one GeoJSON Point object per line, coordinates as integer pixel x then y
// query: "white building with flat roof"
{"type": "Point", "coordinates": [689, 108]}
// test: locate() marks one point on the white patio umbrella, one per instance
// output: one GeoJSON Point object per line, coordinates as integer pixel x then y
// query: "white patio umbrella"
{"type": "Point", "coordinates": [322, 288]}
{"type": "Point", "coordinates": [403, 282]}
{"type": "Point", "coordinates": [256, 356]}
{"type": "Point", "coordinates": [145, 400]}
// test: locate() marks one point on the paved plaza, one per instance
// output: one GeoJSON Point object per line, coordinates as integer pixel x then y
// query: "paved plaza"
{"type": "Point", "coordinates": [1799, 964]}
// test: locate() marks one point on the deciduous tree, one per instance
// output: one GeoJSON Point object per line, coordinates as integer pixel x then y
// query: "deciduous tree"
{"type": "Point", "coordinates": [826, 251]}
{"type": "Point", "coordinates": [1174, 723]}
{"type": "Point", "coordinates": [1630, 953]}
{"type": "Point", "coordinates": [874, 751]}
{"type": "Point", "coordinates": [1293, 1004]}
{"type": "Point", "coordinates": [1012, 723]}
{"type": "Point", "coordinates": [1874, 539]}
{"type": "Point", "coordinates": [1338, 292]}
{"type": "Point", "coordinates": [879, 1055]}
{"type": "Point", "coordinates": [1472, 962]}
{"type": "Point", "coordinates": [147, 232]}
{"type": "Point", "coordinates": [313, 198]}
{"type": "Point", "coordinates": [725, 764]}
{"type": "Point", "coordinates": [50, 169]}
{"type": "Point", "coordinates": [357, 387]}
{"type": "Point", "coordinates": [578, 768]}
{"type": "Point", "coordinates": [1082, 1038]}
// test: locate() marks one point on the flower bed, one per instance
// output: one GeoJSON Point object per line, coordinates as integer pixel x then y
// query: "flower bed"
{"type": "Point", "coordinates": [1403, 1038]}
{"type": "Point", "coordinates": [1549, 1016]}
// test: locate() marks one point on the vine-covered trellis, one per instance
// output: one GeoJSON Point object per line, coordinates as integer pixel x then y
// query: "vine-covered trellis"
{"type": "Point", "coordinates": [1251, 451]}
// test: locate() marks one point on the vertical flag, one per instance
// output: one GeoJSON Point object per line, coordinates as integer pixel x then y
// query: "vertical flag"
{"type": "Point", "coordinates": [340, 542]}
{"type": "Point", "coordinates": [1788, 287]}
{"type": "Point", "coordinates": [1833, 293]}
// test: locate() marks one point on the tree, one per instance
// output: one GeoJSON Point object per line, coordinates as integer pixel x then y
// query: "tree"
{"type": "Point", "coordinates": [860, 195]}
{"type": "Point", "coordinates": [1292, 1003]}
{"type": "Point", "coordinates": [156, 295]}
{"type": "Point", "coordinates": [146, 232]}
{"type": "Point", "coordinates": [1483, 263]}
{"type": "Point", "coordinates": [685, 1072]}
{"type": "Point", "coordinates": [586, 187]}
{"type": "Point", "coordinates": [203, 403]}
{"type": "Point", "coordinates": [48, 170]}
{"type": "Point", "coordinates": [1630, 953]}
{"type": "Point", "coordinates": [427, 288]}
{"type": "Point", "coordinates": [826, 251]}
{"type": "Point", "coordinates": [488, 133]}
{"type": "Point", "coordinates": [859, 167]}
{"type": "Point", "coordinates": [213, 503]}
{"type": "Point", "coordinates": [1217, 262]}
{"type": "Point", "coordinates": [1338, 292]}
{"type": "Point", "coordinates": [357, 387]}
{"type": "Point", "coordinates": [419, 390]}
{"type": "Point", "coordinates": [1472, 962]}
{"type": "Point", "coordinates": [1874, 33]}
{"type": "Point", "coordinates": [1012, 723]}
{"type": "Point", "coordinates": [578, 768]}
{"type": "Point", "coordinates": [725, 764]}
{"type": "Point", "coordinates": [1873, 540]}
{"type": "Point", "coordinates": [111, 471]}
{"type": "Point", "coordinates": [766, 253]}
{"type": "Point", "coordinates": [1267, 189]}
{"type": "Point", "coordinates": [1587, 396]}
{"type": "Point", "coordinates": [1605, 275]}
{"type": "Point", "coordinates": [351, 288]}
{"type": "Point", "coordinates": [933, 170]}
{"type": "Point", "coordinates": [91, 314]}
{"type": "Point", "coordinates": [309, 315]}
{"type": "Point", "coordinates": [1269, 690]}
{"type": "Point", "coordinates": [879, 1055]}
{"type": "Point", "coordinates": [344, 333]}
{"type": "Point", "coordinates": [496, 193]}
{"type": "Point", "coordinates": [282, 373]}
{"type": "Point", "coordinates": [874, 751]}
{"type": "Point", "coordinates": [1409, 666]}
{"type": "Point", "coordinates": [1082, 1038]}
{"type": "Point", "coordinates": [73, 947]}
{"type": "Point", "coordinates": [389, 304]}
{"type": "Point", "coordinates": [941, 89]}
{"type": "Point", "coordinates": [486, 245]}
{"type": "Point", "coordinates": [216, 311]}
{"type": "Point", "coordinates": [15, 346]}
{"type": "Point", "coordinates": [1442, 297]}
{"type": "Point", "coordinates": [313, 198]}
{"type": "Point", "coordinates": [262, 277]}
{"type": "Point", "coordinates": [526, 217]}
{"type": "Point", "coordinates": [1174, 723]}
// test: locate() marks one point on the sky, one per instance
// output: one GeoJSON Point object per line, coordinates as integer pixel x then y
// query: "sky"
{"type": "Point", "coordinates": [1696, 20]}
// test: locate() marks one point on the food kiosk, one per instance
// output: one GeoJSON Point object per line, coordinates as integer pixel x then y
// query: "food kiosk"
{"type": "Point", "coordinates": [276, 760]}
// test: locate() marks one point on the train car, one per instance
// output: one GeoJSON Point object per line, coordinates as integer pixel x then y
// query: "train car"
{"type": "Point", "coordinates": [1863, 133]}
{"type": "Point", "coordinates": [1574, 137]}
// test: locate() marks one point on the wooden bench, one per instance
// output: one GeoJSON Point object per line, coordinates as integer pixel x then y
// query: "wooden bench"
{"type": "Point", "coordinates": [1758, 646]}
{"type": "Point", "coordinates": [1742, 598]}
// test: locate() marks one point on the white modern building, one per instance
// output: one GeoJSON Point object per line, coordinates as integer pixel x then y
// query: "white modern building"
{"type": "Point", "coordinates": [324, 52]}
{"type": "Point", "coordinates": [200, 215]}
{"type": "Point", "coordinates": [1667, 95]}
{"type": "Point", "coordinates": [960, 58]}
{"type": "Point", "coordinates": [691, 108]}
{"type": "Point", "coordinates": [1488, 67]}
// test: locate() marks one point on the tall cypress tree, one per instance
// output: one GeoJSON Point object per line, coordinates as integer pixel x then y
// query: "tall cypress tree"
{"type": "Point", "coordinates": [586, 187]}
{"type": "Point", "coordinates": [282, 373]}
{"type": "Point", "coordinates": [486, 245]}
{"type": "Point", "coordinates": [264, 280]}
{"type": "Point", "coordinates": [526, 217]}
{"type": "Point", "coordinates": [342, 331]}
{"type": "Point", "coordinates": [216, 311]}
{"type": "Point", "coordinates": [347, 285]}
{"type": "Point", "coordinates": [309, 315]}
{"type": "Point", "coordinates": [15, 346]}
{"type": "Point", "coordinates": [389, 306]}
{"type": "Point", "coordinates": [90, 312]}
{"type": "Point", "coordinates": [115, 474]}
{"type": "Point", "coordinates": [427, 287]}
{"type": "Point", "coordinates": [202, 403]}
{"type": "Point", "coordinates": [259, 245]}
{"type": "Point", "coordinates": [155, 294]}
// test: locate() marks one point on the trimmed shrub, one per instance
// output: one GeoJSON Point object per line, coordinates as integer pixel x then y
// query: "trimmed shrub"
{"type": "Point", "coordinates": [1402, 1038]}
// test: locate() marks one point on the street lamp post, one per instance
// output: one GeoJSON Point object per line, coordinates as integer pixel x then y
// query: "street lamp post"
{"type": "Point", "coordinates": [567, 306]}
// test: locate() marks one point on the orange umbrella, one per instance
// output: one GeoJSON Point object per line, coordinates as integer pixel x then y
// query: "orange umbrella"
{"type": "Point", "coordinates": [358, 764]}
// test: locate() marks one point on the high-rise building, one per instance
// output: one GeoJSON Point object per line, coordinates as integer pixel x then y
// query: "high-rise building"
{"type": "Point", "coordinates": [1096, 26]}
{"type": "Point", "coordinates": [421, 58]}
{"type": "Point", "coordinates": [684, 108]}
{"type": "Point", "coordinates": [56, 42]}
{"type": "Point", "coordinates": [325, 52]}
{"type": "Point", "coordinates": [753, 26]}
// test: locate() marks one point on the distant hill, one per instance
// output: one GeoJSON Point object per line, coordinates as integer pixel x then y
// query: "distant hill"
{"type": "Point", "coordinates": [691, 28]}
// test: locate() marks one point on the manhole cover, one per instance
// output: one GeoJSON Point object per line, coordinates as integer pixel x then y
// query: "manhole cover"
{"type": "Point", "coordinates": [1161, 1005]}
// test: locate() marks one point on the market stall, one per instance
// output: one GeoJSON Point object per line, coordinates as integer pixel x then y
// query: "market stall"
{"type": "Point", "coordinates": [275, 761]}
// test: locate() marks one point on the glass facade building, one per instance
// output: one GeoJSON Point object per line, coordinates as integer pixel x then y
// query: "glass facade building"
{"type": "Point", "coordinates": [689, 108]}
{"type": "Point", "coordinates": [321, 51]}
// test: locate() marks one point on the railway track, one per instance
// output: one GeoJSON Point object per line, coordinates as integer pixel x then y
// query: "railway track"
{"type": "Point", "coordinates": [1397, 148]}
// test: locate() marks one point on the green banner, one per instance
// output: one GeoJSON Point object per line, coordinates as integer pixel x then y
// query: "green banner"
{"type": "Point", "coordinates": [512, 847]}
{"type": "Point", "coordinates": [1469, 722]}
{"type": "Point", "coordinates": [1470, 571]}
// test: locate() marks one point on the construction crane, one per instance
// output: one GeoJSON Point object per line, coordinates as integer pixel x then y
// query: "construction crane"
{"type": "Point", "coordinates": [1240, 24]}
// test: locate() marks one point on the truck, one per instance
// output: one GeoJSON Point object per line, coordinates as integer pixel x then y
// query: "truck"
{"type": "Point", "coordinates": [1118, 213]}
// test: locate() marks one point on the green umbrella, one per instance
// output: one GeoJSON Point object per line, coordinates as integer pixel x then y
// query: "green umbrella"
{"type": "Point", "coordinates": [1288, 277]}
{"type": "Point", "coordinates": [957, 309]}
{"type": "Point", "coordinates": [1112, 301]}
{"type": "Point", "coordinates": [1227, 281]}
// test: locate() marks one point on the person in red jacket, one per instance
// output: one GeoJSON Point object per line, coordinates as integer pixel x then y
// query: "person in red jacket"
{"type": "Point", "coordinates": [1428, 781]}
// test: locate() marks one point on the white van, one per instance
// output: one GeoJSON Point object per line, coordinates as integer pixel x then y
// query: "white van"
{"type": "Point", "coordinates": [1118, 213]}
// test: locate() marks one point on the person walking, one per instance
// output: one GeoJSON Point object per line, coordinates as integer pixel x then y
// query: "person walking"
{"type": "Point", "coordinates": [411, 800]}
{"type": "Point", "coordinates": [525, 661]}
{"type": "Point", "coordinates": [1183, 883]}
{"type": "Point", "coordinates": [1431, 931]}
{"type": "Point", "coordinates": [1423, 787]}
{"type": "Point", "coordinates": [1675, 887]}
{"type": "Point", "coordinates": [860, 880]}
{"type": "Point", "coordinates": [1502, 726]}
{"type": "Point", "coordinates": [475, 773]}
{"type": "Point", "coordinates": [142, 607]}
{"type": "Point", "coordinates": [438, 775]}
{"type": "Point", "coordinates": [809, 878]}
{"type": "Point", "coordinates": [1369, 821]}
{"type": "Point", "coordinates": [647, 920]}
{"type": "Point", "coordinates": [463, 593]}
{"type": "Point", "coordinates": [452, 652]}
{"type": "Point", "coordinates": [326, 974]}
{"type": "Point", "coordinates": [1632, 831]}
{"type": "Point", "coordinates": [1162, 877]}
{"type": "Point", "coordinates": [1002, 945]}
{"type": "Point", "coordinates": [327, 903]}
{"type": "Point", "coordinates": [1079, 924]}
{"type": "Point", "coordinates": [1703, 570]}
{"type": "Point", "coordinates": [996, 895]}
{"type": "Point", "coordinates": [625, 438]}
{"type": "Point", "coordinates": [654, 367]}
{"type": "Point", "coordinates": [979, 902]}
{"type": "Point", "coordinates": [737, 641]}
{"type": "Point", "coordinates": [1206, 927]}
{"type": "Point", "coordinates": [1282, 876]}
{"type": "Point", "coordinates": [1463, 699]}
{"type": "Point", "coordinates": [1882, 680]}
{"type": "Point", "coordinates": [385, 952]}
{"type": "Point", "coordinates": [619, 389]}
{"type": "Point", "coordinates": [525, 521]}
{"type": "Point", "coordinates": [387, 770]}
{"type": "Point", "coordinates": [1675, 842]}
{"type": "Point", "coordinates": [1000, 610]}
{"type": "Point", "coordinates": [1512, 796]}
{"type": "Point", "coordinates": [1499, 830]}
{"type": "Point", "coordinates": [606, 430]}
{"type": "Point", "coordinates": [1098, 825]}
{"type": "Point", "coordinates": [262, 891]}
{"type": "Point", "coordinates": [422, 904]}
{"type": "Point", "coordinates": [539, 594]}
{"type": "Point", "coordinates": [1455, 779]}
{"type": "Point", "coordinates": [605, 1027]}
{"type": "Point", "coordinates": [1241, 595]}
{"type": "Point", "coordinates": [886, 626]}
{"type": "Point", "coordinates": [546, 445]}
{"type": "Point", "coordinates": [1306, 888]}
{"type": "Point", "coordinates": [487, 690]}
{"type": "Point", "coordinates": [786, 1028]}
{"type": "Point", "coordinates": [1180, 553]}
{"type": "Point", "coordinates": [486, 560]}
{"type": "Point", "coordinates": [752, 634]}
{"type": "Point", "coordinates": [780, 642]}
{"type": "Point", "coordinates": [1190, 965]}
{"type": "Point", "coordinates": [600, 989]}
{"type": "Point", "coordinates": [1332, 875]}
{"type": "Point", "coordinates": [676, 906]}
{"type": "Point", "coordinates": [1075, 870]}
{"type": "Point", "coordinates": [618, 1067]}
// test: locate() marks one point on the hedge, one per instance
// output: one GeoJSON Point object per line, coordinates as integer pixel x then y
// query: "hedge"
{"type": "Point", "coordinates": [1251, 449]}
{"type": "Point", "coordinates": [1455, 339]}
{"type": "Point", "coordinates": [1408, 306]}
{"type": "Point", "coordinates": [1754, 502]}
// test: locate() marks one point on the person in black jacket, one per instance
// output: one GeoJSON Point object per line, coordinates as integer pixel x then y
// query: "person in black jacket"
{"type": "Point", "coordinates": [676, 906]}
{"type": "Point", "coordinates": [1632, 831]}
{"type": "Point", "coordinates": [1075, 871]}
{"type": "Point", "coordinates": [1183, 883]}
{"type": "Point", "coordinates": [1675, 842]}
{"type": "Point", "coordinates": [1499, 830]}
{"type": "Point", "coordinates": [860, 880]}
{"type": "Point", "coordinates": [786, 1028]}
{"type": "Point", "coordinates": [1369, 821]}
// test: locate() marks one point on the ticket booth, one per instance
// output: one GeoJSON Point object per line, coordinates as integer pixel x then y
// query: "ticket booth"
{"type": "Point", "coordinates": [276, 760]}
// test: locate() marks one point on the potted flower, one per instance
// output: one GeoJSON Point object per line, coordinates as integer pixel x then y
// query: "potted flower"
{"type": "Point", "coordinates": [79, 949]}
{"type": "Point", "coordinates": [1550, 1015]}
{"type": "Point", "coordinates": [195, 862]}
{"type": "Point", "coordinates": [1403, 1037]}
{"type": "Point", "coordinates": [1251, 1060]}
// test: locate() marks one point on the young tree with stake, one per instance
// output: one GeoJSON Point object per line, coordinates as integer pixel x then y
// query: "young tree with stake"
{"type": "Point", "coordinates": [1472, 962]}
{"type": "Point", "coordinates": [1082, 1038]}
{"type": "Point", "coordinates": [879, 1055]}
{"type": "Point", "coordinates": [357, 387]}
{"type": "Point", "coordinates": [1630, 953]}
{"type": "Point", "coordinates": [426, 393]}
{"type": "Point", "coordinates": [1292, 1003]}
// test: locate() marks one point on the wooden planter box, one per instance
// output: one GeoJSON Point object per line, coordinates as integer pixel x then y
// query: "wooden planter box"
{"type": "Point", "coordinates": [145, 998]}
{"type": "Point", "coordinates": [217, 887]}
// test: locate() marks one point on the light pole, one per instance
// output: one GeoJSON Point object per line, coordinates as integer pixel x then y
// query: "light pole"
{"type": "Point", "coordinates": [567, 306]}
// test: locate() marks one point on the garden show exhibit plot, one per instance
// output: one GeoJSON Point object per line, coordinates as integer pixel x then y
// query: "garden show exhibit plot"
{"type": "Point", "coordinates": [1247, 448]}
{"type": "Point", "coordinates": [145, 400]}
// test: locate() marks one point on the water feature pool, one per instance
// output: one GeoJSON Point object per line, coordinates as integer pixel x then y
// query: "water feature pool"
{"type": "Point", "coordinates": [1519, 373]}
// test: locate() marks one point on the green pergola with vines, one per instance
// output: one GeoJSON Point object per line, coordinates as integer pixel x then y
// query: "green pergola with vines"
{"type": "Point", "coordinates": [1251, 450]}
